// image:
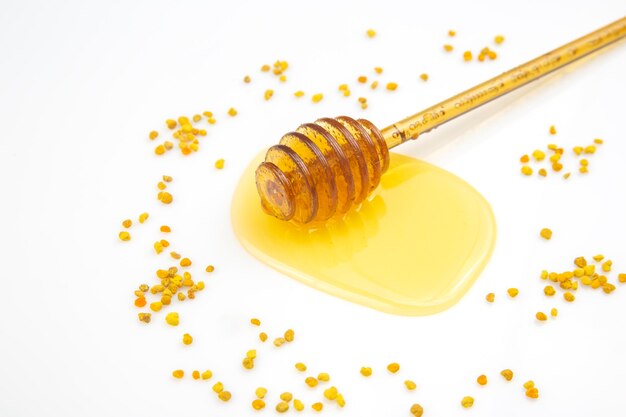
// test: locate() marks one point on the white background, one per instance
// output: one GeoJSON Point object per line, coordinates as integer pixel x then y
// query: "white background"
{"type": "Point", "coordinates": [82, 84]}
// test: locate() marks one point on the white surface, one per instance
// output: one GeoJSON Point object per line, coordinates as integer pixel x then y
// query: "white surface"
{"type": "Point", "coordinates": [82, 85]}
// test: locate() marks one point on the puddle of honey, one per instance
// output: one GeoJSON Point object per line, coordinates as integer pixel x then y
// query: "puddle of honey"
{"type": "Point", "coordinates": [414, 247]}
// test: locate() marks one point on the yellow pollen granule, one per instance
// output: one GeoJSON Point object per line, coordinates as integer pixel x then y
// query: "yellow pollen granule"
{"type": "Point", "coordinates": [268, 94]}
{"type": "Point", "coordinates": [507, 374]}
{"type": "Point", "coordinates": [580, 262]}
{"type": "Point", "coordinates": [482, 380]}
{"type": "Point", "coordinates": [299, 93]}
{"type": "Point", "coordinates": [424, 76]}
{"type": "Point", "coordinates": [282, 78]}
{"type": "Point", "coordinates": [552, 130]}
{"type": "Point", "coordinates": [124, 236]}
{"type": "Point", "coordinates": [224, 396]}
{"type": "Point", "coordinates": [569, 297]}
{"type": "Point", "coordinates": [317, 406]}
{"type": "Point", "coordinates": [467, 402]}
{"type": "Point", "coordinates": [289, 335]}
{"type": "Point", "coordinates": [546, 233]}
{"type": "Point", "coordinates": [331, 393]}
{"type": "Point", "coordinates": [410, 385]}
{"type": "Point", "coordinates": [598, 141]}
{"type": "Point", "coordinates": [543, 172]}
{"type": "Point", "coordinates": [524, 158]}
{"type": "Point", "coordinates": [251, 354]}
{"type": "Point", "coordinates": [526, 170]}
{"type": "Point", "coordinates": [260, 392]}
{"type": "Point", "coordinates": [341, 402]}
{"type": "Point", "coordinates": [539, 155]}
{"type": "Point", "coordinates": [279, 341]}
{"type": "Point", "coordinates": [300, 366]}
{"type": "Point", "coordinates": [195, 374]}
{"type": "Point", "coordinates": [143, 217]}
{"type": "Point", "coordinates": [366, 371]}
{"type": "Point", "coordinates": [590, 149]}
{"type": "Point", "coordinates": [127, 223]}
{"type": "Point", "coordinates": [529, 384]}
{"type": "Point", "coordinates": [362, 79]}
{"type": "Point", "coordinates": [317, 97]}
{"type": "Point", "coordinates": [282, 407]}
{"type": "Point", "coordinates": [298, 405]}
{"type": "Point", "coordinates": [608, 288]}
{"type": "Point", "coordinates": [498, 39]}
{"type": "Point", "coordinates": [258, 404]}
{"type": "Point", "coordinates": [159, 150]}
{"type": "Point", "coordinates": [532, 393]}
{"type": "Point", "coordinates": [606, 266]}
{"type": "Point", "coordinates": [165, 229]}
{"type": "Point", "coordinates": [206, 375]}
{"type": "Point", "coordinates": [179, 373]}
{"type": "Point", "coordinates": [172, 319]}
{"type": "Point", "coordinates": [165, 197]}
{"type": "Point", "coordinates": [185, 262]}
{"type": "Point", "coordinates": [392, 86]}
{"type": "Point", "coordinates": [621, 278]}
{"type": "Point", "coordinates": [246, 79]}
{"type": "Point", "coordinates": [145, 317]}
{"type": "Point", "coordinates": [374, 85]}
{"type": "Point", "coordinates": [513, 292]}
{"type": "Point", "coordinates": [549, 290]}
{"type": "Point", "coordinates": [323, 376]}
{"type": "Point", "coordinates": [219, 164]}
{"type": "Point", "coordinates": [393, 367]}
{"type": "Point", "coordinates": [247, 363]}
{"type": "Point", "coordinates": [171, 124]}
{"type": "Point", "coordinates": [232, 112]}
{"type": "Point", "coordinates": [210, 268]}
{"type": "Point", "coordinates": [541, 316]}
{"type": "Point", "coordinates": [286, 396]}
{"type": "Point", "coordinates": [187, 339]}
{"type": "Point", "coordinates": [467, 56]}
{"type": "Point", "coordinates": [255, 322]}
{"type": "Point", "coordinates": [158, 247]}
{"type": "Point", "coordinates": [490, 297]}
{"type": "Point", "coordinates": [554, 312]}
{"type": "Point", "coordinates": [378, 70]}
{"type": "Point", "coordinates": [310, 381]}
{"type": "Point", "coordinates": [218, 387]}
{"type": "Point", "coordinates": [448, 48]}
{"type": "Point", "coordinates": [417, 410]}
{"type": "Point", "coordinates": [263, 336]}
{"type": "Point", "coordinates": [371, 33]}
{"type": "Point", "coordinates": [451, 33]}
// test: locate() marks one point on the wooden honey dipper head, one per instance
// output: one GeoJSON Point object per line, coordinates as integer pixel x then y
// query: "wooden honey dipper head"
{"type": "Point", "coordinates": [322, 169]}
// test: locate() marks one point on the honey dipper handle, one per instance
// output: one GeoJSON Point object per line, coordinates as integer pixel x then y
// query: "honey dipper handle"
{"type": "Point", "coordinates": [426, 120]}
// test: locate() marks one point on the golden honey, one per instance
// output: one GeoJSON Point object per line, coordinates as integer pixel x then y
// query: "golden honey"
{"type": "Point", "coordinates": [414, 246]}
